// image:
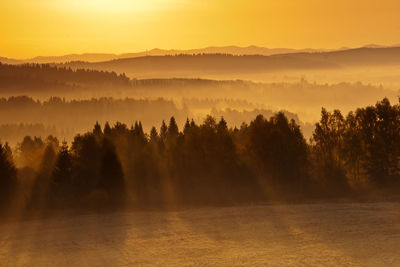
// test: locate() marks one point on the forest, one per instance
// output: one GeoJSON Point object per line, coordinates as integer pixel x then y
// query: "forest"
{"type": "Point", "coordinates": [22, 115]}
{"type": "Point", "coordinates": [244, 63]}
{"type": "Point", "coordinates": [113, 166]}
{"type": "Point", "coordinates": [38, 74]}
{"type": "Point", "coordinates": [299, 95]}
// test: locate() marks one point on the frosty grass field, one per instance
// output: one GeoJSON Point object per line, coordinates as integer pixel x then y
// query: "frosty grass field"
{"type": "Point", "coordinates": [333, 234]}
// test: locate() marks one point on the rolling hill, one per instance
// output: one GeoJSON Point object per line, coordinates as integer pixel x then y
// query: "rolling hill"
{"type": "Point", "coordinates": [99, 57]}
{"type": "Point", "coordinates": [218, 65]}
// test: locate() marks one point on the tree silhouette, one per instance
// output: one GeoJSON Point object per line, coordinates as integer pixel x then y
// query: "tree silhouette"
{"type": "Point", "coordinates": [8, 175]}
{"type": "Point", "coordinates": [173, 131]}
{"type": "Point", "coordinates": [210, 163]}
{"type": "Point", "coordinates": [97, 130]}
{"type": "Point", "coordinates": [163, 131]}
{"type": "Point", "coordinates": [111, 173]}
{"type": "Point", "coordinates": [328, 143]}
{"type": "Point", "coordinates": [61, 179]}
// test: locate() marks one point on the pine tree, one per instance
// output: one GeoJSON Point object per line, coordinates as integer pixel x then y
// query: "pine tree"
{"type": "Point", "coordinates": [163, 131]}
{"type": "Point", "coordinates": [173, 130]}
{"type": "Point", "coordinates": [62, 173]}
{"type": "Point", "coordinates": [187, 127]}
{"type": "Point", "coordinates": [97, 130]}
{"type": "Point", "coordinates": [107, 129]}
{"type": "Point", "coordinates": [153, 135]}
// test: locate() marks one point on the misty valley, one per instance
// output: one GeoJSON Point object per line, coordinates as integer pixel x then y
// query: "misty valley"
{"type": "Point", "coordinates": [216, 152]}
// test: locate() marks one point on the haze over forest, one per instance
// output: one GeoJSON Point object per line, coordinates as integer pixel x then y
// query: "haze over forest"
{"type": "Point", "coordinates": [65, 99]}
{"type": "Point", "coordinates": [185, 87]}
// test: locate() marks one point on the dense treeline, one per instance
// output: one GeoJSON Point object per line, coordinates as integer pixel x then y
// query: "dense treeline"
{"type": "Point", "coordinates": [38, 75]}
{"type": "Point", "coordinates": [79, 115]}
{"type": "Point", "coordinates": [208, 164]}
{"type": "Point", "coordinates": [203, 164]}
{"type": "Point", "coordinates": [363, 146]}
{"type": "Point", "coordinates": [22, 115]}
{"type": "Point", "coordinates": [304, 98]}
{"type": "Point", "coordinates": [220, 63]}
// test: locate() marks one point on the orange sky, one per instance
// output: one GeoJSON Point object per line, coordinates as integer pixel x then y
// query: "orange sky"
{"type": "Point", "coordinates": [55, 27]}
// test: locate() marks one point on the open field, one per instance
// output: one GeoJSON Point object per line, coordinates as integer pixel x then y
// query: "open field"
{"type": "Point", "coordinates": [336, 234]}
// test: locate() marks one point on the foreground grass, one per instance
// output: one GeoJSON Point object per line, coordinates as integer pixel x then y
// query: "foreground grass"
{"type": "Point", "coordinates": [324, 234]}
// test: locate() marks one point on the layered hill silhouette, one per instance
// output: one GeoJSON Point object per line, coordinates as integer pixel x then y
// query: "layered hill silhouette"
{"type": "Point", "coordinates": [302, 97]}
{"type": "Point", "coordinates": [35, 78]}
{"type": "Point", "coordinates": [99, 57]}
{"type": "Point", "coordinates": [370, 64]}
{"type": "Point", "coordinates": [210, 65]}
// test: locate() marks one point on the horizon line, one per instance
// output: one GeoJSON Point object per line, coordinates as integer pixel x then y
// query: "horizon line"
{"type": "Point", "coordinates": [202, 48]}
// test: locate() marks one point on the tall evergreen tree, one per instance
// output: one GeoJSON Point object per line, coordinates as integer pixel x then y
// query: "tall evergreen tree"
{"type": "Point", "coordinates": [61, 182]}
{"type": "Point", "coordinates": [173, 131]}
{"type": "Point", "coordinates": [97, 130]}
{"type": "Point", "coordinates": [163, 131]}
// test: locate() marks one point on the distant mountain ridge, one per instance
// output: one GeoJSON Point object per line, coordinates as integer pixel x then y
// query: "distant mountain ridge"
{"type": "Point", "coordinates": [232, 50]}
{"type": "Point", "coordinates": [213, 64]}
{"type": "Point", "coordinates": [100, 57]}
{"type": "Point", "coordinates": [218, 65]}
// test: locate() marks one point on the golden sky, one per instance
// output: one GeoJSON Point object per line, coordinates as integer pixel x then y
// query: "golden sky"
{"type": "Point", "coordinates": [56, 27]}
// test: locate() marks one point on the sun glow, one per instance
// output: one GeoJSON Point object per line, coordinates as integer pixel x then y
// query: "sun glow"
{"type": "Point", "coordinates": [114, 6]}
{"type": "Point", "coordinates": [56, 27]}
